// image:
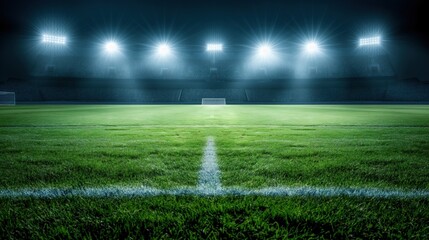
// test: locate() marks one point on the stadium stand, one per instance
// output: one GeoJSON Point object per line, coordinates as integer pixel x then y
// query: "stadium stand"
{"type": "Point", "coordinates": [85, 90]}
{"type": "Point", "coordinates": [348, 78]}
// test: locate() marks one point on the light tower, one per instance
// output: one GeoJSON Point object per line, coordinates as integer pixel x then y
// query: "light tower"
{"type": "Point", "coordinates": [112, 49]}
{"type": "Point", "coordinates": [213, 49]}
{"type": "Point", "coordinates": [311, 50]}
{"type": "Point", "coordinates": [265, 54]}
{"type": "Point", "coordinates": [370, 44]}
{"type": "Point", "coordinates": [312, 47]}
{"type": "Point", "coordinates": [53, 44]}
{"type": "Point", "coordinates": [164, 53]}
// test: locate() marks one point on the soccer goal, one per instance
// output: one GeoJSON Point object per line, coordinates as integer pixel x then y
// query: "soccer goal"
{"type": "Point", "coordinates": [7, 98]}
{"type": "Point", "coordinates": [213, 101]}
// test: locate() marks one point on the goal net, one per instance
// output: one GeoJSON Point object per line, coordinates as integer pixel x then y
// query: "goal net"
{"type": "Point", "coordinates": [7, 98]}
{"type": "Point", "coordinates": [213, 101]}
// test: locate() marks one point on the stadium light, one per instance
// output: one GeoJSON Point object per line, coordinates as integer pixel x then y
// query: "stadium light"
{"type": "Point", "coordinates": [370, 41]}
{"type": "Point", "coordinates": [111, 47]}
{"type": "Point", "coordinates": [265, 50]}
{"type": "Point", "coordinates": [214, 47]}
{"type": "Point", "coordinates": [52, 39]}
{"type": "Point", "coordinates": [163, 50]}
{"type": "Point", "coordinates": [312, 47]}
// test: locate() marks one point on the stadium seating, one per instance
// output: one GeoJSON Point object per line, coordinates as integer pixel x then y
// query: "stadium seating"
{"type": "Point", "coordinates": [111, 90]}
{"type": "Point", "coordinates": [348, 78]}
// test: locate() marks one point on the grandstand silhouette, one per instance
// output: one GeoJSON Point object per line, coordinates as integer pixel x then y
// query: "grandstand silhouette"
{"type": "Point", "coordinates": [352, 78]}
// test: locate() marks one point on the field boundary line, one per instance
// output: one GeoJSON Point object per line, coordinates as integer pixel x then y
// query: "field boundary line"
{"type": "Point", "coordinates": [229, 191]}
{"type": "Point", "coordinates": [214, 126]}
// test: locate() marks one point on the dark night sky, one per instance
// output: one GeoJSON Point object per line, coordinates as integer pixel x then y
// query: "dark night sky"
{"type": "Point", "coordinates": [192, 17]}
{"type": "Point", "coordinates": [192, 23]}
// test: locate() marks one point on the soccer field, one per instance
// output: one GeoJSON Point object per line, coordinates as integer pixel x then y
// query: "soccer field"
{"type": "Point", "coordinates": [234, 171]}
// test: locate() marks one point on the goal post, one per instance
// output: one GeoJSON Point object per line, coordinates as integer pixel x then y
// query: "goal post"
{"type": "Point", "coordinates": [7, 98]}
{"type": "Point", "coordinates": [213, 101]}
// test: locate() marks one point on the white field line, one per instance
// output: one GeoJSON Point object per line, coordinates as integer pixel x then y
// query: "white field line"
{"type": "Point", "coordinates": [275, 191]}
{"type": "Point", "coordinates": [210, 185]}
{"type": "Point", "coordinates": [214, 126]}
{"type": "Point", "coordinates": [209, 180]}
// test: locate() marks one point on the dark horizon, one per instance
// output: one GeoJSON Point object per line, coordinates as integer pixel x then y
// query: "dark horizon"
{"type": "Point", "coordinates": [229, 18]}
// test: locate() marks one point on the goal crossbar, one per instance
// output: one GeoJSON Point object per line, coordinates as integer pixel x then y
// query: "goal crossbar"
{"type": "Point", "coordinates": [213, 101]}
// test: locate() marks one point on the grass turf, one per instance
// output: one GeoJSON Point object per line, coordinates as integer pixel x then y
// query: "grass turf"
{"type": "Point", "coordinates": [209, 218]}
{"type": "Point", "coordinates": [258, 146]}
{"type": "Point", "coordinates": [75, 157]}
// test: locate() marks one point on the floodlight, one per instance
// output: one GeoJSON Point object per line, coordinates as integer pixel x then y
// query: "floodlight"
{"type": "Point", "coordinates": [311, 47]}
{"type": "Point", "coordinates": [370, 41]}
{"type": "Point", "coordinates": [163, 49]}
{"type": "Point", "coordinates": [52, 39]}
{"type": "Point", "coordinates": [265, 50]}
{"type": "Point", "coordinates": [214, 47]}
{"type": "Point", "coordinates": [111, 47]}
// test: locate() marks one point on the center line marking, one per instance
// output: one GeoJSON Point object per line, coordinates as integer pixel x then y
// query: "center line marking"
{"type": "Point", "coordinates": [209, 184]}
{"type": "Point", "coordinates": [209, 180]}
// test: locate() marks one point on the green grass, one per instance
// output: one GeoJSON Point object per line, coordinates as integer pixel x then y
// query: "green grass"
{"type": "Point", "coordinates": [258, 146]}
{"type": "Point", "coordinates": [73, 157]}
{"type": "Point", "coordinates": [219, 217]}
{"type": "Point", "coordinates": [385, 146]}
{"type": "Point", "coordinates": [325, 156]}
